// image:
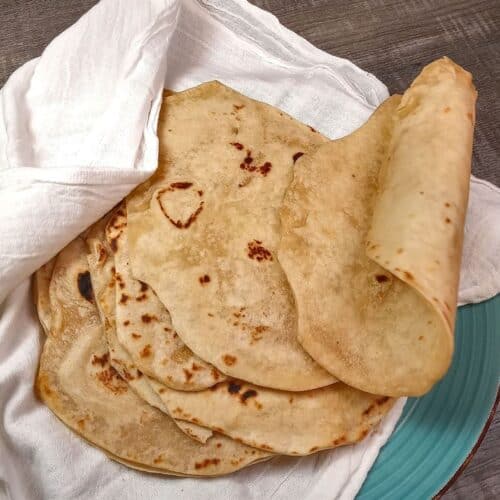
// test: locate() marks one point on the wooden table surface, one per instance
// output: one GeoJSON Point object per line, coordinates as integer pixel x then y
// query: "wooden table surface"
{"type": "Point", "coordinates": [392, 39]}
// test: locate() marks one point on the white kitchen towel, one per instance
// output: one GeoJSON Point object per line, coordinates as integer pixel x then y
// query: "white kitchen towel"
{"type": "Point", "coordinates": [77, 132]}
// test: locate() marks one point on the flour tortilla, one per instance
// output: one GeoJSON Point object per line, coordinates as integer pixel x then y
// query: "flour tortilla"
{"type": "Point", "coordinates": [77, 383]}
{"type": "Point", "coordinates": [41, 283]}
{"type": "Point", "coordinates": [144, 327]}
{"type": "Point", "coordinates": [204, 230]}
{"type": "Point", "coordinates": [372, 229]}
{"type": "Point", "coordinates": [104, 285]}
{"type": "Point", "coordinates": [289, 423]}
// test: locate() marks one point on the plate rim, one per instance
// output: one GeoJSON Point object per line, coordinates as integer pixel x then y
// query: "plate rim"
{"type": "Point", "coordinates": [472, 452]}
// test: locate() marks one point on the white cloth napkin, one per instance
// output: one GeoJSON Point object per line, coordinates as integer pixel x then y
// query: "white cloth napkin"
{"type": "Point", "coordinates": [77, 132]}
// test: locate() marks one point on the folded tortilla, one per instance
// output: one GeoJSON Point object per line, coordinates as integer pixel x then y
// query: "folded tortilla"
{"type": "Point", "coordinates": [372, 230]}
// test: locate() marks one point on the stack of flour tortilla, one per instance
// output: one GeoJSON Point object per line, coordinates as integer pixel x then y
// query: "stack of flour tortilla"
{"type": "Point", "coordinates": [268, 291]}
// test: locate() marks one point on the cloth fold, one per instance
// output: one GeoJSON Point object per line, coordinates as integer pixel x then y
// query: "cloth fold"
{"type": "Point", "coordinates": [78, 132]}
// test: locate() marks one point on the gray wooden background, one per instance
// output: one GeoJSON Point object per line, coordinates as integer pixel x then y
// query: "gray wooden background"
{"type": "Point", "coordinates": [392, 39]}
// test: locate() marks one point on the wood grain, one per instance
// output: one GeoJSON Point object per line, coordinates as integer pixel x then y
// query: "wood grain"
{"type": "Point", "coordinates": [393, 39]}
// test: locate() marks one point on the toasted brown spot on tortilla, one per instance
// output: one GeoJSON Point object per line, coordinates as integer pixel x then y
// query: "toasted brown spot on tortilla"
{"type": "Point", "coordinates": [146, 351]}
{"type": "Point", "coordinates": [181, 185]}
{"type": "Point", "coordinates": [447, 109]}
{"type": "Point", "coordinates": [382, 278]}
{"type": "Point", "coordinates": [85, 286]}
{"type": "Point", "coordinates": [257, 252]}
{"type": "Point", "coordinates": [297, 155]}
{"type": "Point", "coordinates": [204, 279]}
{"type": "Point", "coordinates": [206, 463]}
{"type": "Point", "coordinates": [100, 360]}
{"type": "Point", "coordinates": [447, 220]}
{"type": "Point", "coordinates": [248, 394]}
{"type": "Point", "coordinates": [229, 360]}
{"type": "Point", "coordinates": [124, 298]}
{"type": "Point", "coordinates": [112, 380]}
{"type": "Point", "coordinates": [136, 335]}
{"type": "Point", "coordinates": [147, 318]}
{"type": "Point", "coordinates": [233, 388]}
{"type": "Point", "coordinates": [237, 145]}
{"type": "Point", "coordinates": [187, 374]}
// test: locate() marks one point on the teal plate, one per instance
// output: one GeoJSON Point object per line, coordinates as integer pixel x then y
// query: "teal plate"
{"type": "Point", "coordinates": [437, 433]}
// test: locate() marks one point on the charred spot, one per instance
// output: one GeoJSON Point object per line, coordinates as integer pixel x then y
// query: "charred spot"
{"type": "Point", "coordinates": [297, 155]}
{"type": "Point", "coordinates": [146, 351]}
{"type": "Point", "coordinates": [139, 374]}
{"type": "Point", "coordinates": [265, 168]}
{"type": "Point", "coordinates": [218, 445]}
{"type": "Point", "coordinates": [114, 244]}
{"type": "Point", "coordinates": [178, 223]}
{"type": "Point", "coordinates": [181, 185]}
{"type": "Point", "coordinates": [124, 298]}
{"type": "Point", "coordinates": [81, 423]}
{"type": "Point", "coordinates": [102, 254]}
{"type": "Point", "coordinates": [126, 323]}
{"type": "Point", "coordinates": [408, 275]}
{"type": "Point", "coordinates": [200, 192]}
{"type": "Point", "coordinates": [312, 129]}
{"type": "Point", "coordinates": [257, 252]}
{"type": "Point", "coordinates": [237, 107]}
{"type": "Point", "coordinates": [233, 388]}
{"type": "Point", "coordinates": [161, 390]}
{"type": "Point", "coordinates": [447, 205]}
{"type": "Point", "coordinates": [470, 117]}
{"type": "Point", "coordinates": [158, 459]}
{"type": "Point", "coordinates": [187, 374]}
{"type": "Point", "coordinates": [382, 400]}
{"type": "Point", "coordinates": [229, 360]}
{"type": "Point", "coordinates": [215, 374]}
{"type": "Point", "coordinates": [421, 337]}
{"type": "Point", "coordinates": [258, 405]}
{"type": "Point", "coordinates": [144, 287]}
{"type": "Point", "coordinates": [381, 278]}
{"type": "Point", "coordinates": [85, 286]}
{"type": "Point", "coordinates": [339, 441]}
{"type": "Point", "coordinates": [447, 220]}
{"type": "Point", "coordinates": [136, 335]}
{"type": "Point", "coordinates": [314, 448]}
{"type": "Point", "coordinates": [141, 297]}
{"type": "Point", "coordinates": [204, 279]}
{"type": "Point", "coordinates": [248, 394]}
{"type": "Point", "coordinates": [196, 367]}
{"type": "Point", "coordinates": [266, 447]}
{"type": "Point", "coordinates": [353, 176]}
{"type": "Point", "coordinates": [248, 165]}
{"type": "Point", "coordinates": [147, 318]}
{"type": "Point", "coordinates": [100, 360]}
{"type": "Point", "coordinates": [290, 399]}
{"type": "Point", "coordinates": [363, 434]}
{"type": "Point", "coordinates": [237, 145]}
{"type": "Point", "coordinates": [210, 315]}
{"type": "Point", "coordinates": [112, 380]}
{"type": "Point", "coordinates": [206, 463]}
{"type": "Point", "coordinates": [248, 158]}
